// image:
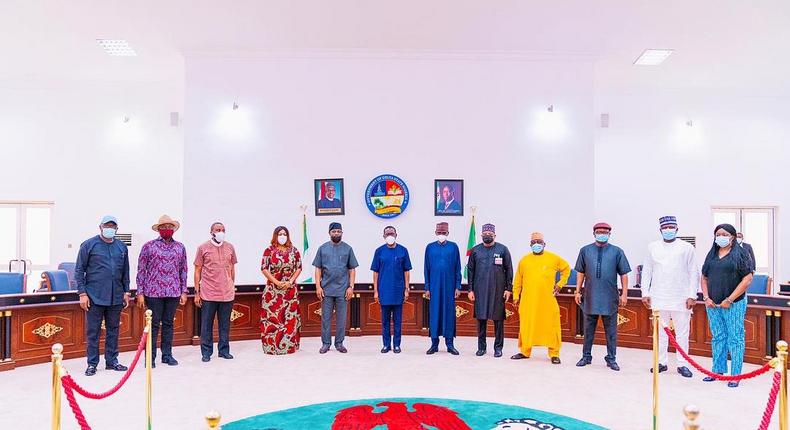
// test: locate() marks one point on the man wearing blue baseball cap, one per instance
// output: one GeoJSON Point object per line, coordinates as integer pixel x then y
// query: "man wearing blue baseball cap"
{"type": "Point", "coordinates": [102, 275]}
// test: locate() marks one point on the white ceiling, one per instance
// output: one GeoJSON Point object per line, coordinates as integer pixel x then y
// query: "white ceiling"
{"type": "Point", "coordinates": [732, 44]}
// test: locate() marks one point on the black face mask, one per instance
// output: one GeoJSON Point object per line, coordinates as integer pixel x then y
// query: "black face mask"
{"type": "Point", "coordinates": [487, 240]}
{"type": "Point", "coordinates": [336, 239]}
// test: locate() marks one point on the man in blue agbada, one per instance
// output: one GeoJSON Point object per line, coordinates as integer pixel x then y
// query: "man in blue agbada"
{"type": "Point", "coordinates": [442, 287]}
{"type": "Point", "coordinates": [391, 266]}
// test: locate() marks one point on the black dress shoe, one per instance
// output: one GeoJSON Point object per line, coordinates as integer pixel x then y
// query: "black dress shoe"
{"type": "Point", "coordinates": [583, 362]}
{"type": "Point", "coordinates": [396, 350]}
{"type": "Point", "coordinates": [497, 353]}
{"type": "Point", "coordinates": [708, 379]}
{"type": "Point", "coordinates": [117, 367]}
{"type": "Point", "coordinates": [480, 352]}
{"type": "Point", "coordinates": [90, 371]}
{"type": "Point", "coordinates": [613, 365]}
{"type": "Point", "coordinates": [733, 384]}
{"type": "Point", "coordinates": [206, 359]}
{"type": "Point", "coordinates": [555, 360]}
{"type": "Point", "coordinates": [661, 368]}
{"type": "Point", "coordinates": [432, 350]}
{"type": "Point", "coordinates": [684, 371]}
{"type": "Point", "coordinates": [385, 350]}
{"type": "Point", "coordinates": [170, 361]}
{"type": "Point", "coordinates": [324, 349]}
{"type": "Point", "coordinates": [518, 356]}
{"type": "Point", "coordinates": [226, 356]}
{"type": "Point", "coordinates": [341, 349]}
{"type": "Point", "coordinates": [452, 350]}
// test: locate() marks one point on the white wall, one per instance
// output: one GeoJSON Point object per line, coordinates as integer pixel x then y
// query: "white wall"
{"type": "Point", "coordinates": [66, 142]}
{"type": "Point", "coordinates": [649, 164]}
{"type": "Point", "coordinates": [418, 118]}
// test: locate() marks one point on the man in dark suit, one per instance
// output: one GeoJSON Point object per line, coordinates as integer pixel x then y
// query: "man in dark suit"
{"type": "Point", "coordinates": [749, 250]}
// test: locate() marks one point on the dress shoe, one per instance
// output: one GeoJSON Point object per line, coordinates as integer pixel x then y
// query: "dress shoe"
{"type": "Point", "coordinates": [117, 367]}
{"type": "Point", "coordinates": [432, 350]}
{"type": "Point", "coordinates": [170, 361]}
{"type": "Point", "coordinates": [396, 350]}
{"type": "Point", "coordinates": [661, 368]}
{"type": "Point", "coordinates": [684, 371]}
{"type": "Point", "coordinates": [733, 384]}
{"type": "Point", "coordinates": [90, 371]}
{"type": "Point", "coordinates": [497, 353]}
{"type": "Point", "coordinates": [205, 359]}
{"type": "Point", "coordinates": [555, 360]}
{"type": "Point", "coordinates": [341, 349]}
{"type": "Point", "coordinates": [710, 378]}
{"type": "Point", "coordinates": [583, 362]}
{"type": "Point", "coordinates": [324, 349]}
{"type": "Point", "coordinates": [613, 365]}
{"type": "Point", "coordinates": [385, 350]}
{"type": "Point", "coordinates": [452, 350]}
{"type": "Point", "coordinates": [480, 352]}
{"type": "Point", "coordinates": [226, 356]}
{"type": "Point", "coordinates": [518, 356]}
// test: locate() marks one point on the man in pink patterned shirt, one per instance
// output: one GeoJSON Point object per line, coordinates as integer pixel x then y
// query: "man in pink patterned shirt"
{"type": "Point", "coordinates": [162, 283]}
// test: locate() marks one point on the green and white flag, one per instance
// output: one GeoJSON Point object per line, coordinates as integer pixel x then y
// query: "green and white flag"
{"type": "Point", "coordinates": [470, 244]}
{"type": "Point", "coordinates": [305, 250]}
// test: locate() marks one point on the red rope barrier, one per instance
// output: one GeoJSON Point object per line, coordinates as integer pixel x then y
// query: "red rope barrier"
{"type": "Point", "coordinates": [707, 372]}
{"type": "Point", "coordinates": [769, 408]}
{"type": "Point", "coordinates": [76, 408]}
{"type": "Point", "coordinates": [67, 379]}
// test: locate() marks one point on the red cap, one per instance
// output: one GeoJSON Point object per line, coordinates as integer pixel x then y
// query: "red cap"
{"type": "Point", "coordinates": [602, 225]}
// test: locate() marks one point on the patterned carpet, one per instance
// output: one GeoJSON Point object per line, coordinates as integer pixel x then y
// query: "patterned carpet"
{"type": "Point", "coordinates": [410, 414]}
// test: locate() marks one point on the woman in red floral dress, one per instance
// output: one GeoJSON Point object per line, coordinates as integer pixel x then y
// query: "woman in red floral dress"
{"type": "Point", "coordinates": [280, 321]}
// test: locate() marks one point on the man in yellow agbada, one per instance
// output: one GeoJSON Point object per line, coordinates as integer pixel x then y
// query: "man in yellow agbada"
{"type": "Point", "coordinates": [534, 289]}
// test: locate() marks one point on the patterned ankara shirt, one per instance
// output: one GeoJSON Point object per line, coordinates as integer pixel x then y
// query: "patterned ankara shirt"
{"type": "Point", "coordinates": [162, 269]}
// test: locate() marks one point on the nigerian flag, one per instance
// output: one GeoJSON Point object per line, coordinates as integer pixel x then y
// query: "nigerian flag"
{"type": "Point", "coordinates": [470, 244]}
{"type": "Point", "coordinates": [305, 248]}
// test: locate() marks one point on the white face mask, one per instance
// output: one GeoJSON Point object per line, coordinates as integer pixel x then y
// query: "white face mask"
{"type": "Point", "coordinates": [282, 239]}
{"type": "Point", "coordinates": [219, 236]}
{"type": "Point", "coordinates": [390, 240]}
{"type": "Point", "coordinates": [441, 238]}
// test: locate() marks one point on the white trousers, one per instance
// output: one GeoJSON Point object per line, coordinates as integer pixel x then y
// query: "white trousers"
{"type": "Point", "coordinates": [680, 321]}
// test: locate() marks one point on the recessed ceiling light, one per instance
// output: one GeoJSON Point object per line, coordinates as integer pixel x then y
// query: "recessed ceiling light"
{"type": "Point", "coordinates": [653, 57]}
{"type": "Point", "coordinates": [117, 47]}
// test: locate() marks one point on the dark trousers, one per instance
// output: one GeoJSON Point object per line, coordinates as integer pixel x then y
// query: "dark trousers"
{"type": "Point", "coordinates": [111, 315]}
{"type": "Point", "coordinates": [340, 306]}
{"type": "Point", "coordinates": [395, 314]}
{"type": "Point", "coordinates": [499, 334]}
{"type": "Point", "coordinates": [447, 341]}
{"type": "Point", "coordinates": [164, 310]}
{"type": "Point", "coordinates": [609, 327]}
{"type": "Point", "coordinates": [208, 311]}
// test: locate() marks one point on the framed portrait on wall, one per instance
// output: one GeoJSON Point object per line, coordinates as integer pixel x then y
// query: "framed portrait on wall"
{"type": "Point", "coordinates": [329, 197]}
{"type": "Point", "coordinates": [449, 197]}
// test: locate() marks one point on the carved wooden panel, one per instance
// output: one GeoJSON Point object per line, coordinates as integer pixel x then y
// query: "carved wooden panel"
{"type": "Point", "coordinates": [47, 330]}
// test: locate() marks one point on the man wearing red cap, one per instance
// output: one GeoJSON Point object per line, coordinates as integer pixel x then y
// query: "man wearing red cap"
{"type": "Point", "coordinates": [598, 266]}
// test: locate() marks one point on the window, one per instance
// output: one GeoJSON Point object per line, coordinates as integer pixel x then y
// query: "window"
{"type": "Point", "coordinates": [25, 239]}
{"type": "Point", "coordinates": [757, 226]}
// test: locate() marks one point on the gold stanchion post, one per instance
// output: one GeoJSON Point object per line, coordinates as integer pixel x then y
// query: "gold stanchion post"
{"type": "Point", "coordinates": [691, 412]}
{"type": "Point", "coordinates": [781, 353]}
{"type": "Point", "coordinates": [148, 351]}
{"type": "Point", "coordinates": [655, 369]}
{"type": "Point", "coordinates": [57, 359]}
{"type": "Point", "coordinates": [212, 419]}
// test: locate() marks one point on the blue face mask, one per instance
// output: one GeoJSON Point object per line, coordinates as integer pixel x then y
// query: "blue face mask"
{"type": "Point", "coordinates": [602, 238]}
{"type": "Point", "coordinates": [722, 241]}
{"type": "Point", "coordinates": [108, 233]}
{"type": "Point", "coordinates": [669, 234]}
{"type": "Point", "coordinates": [537, 248]}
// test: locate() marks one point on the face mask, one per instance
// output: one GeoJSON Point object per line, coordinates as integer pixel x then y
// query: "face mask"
{"type": "Point", "coordinates": [219, 236]}
{"type": "Point", "coordinates": [108, 233]}
{"type": "Point", "coordinates": [669, 234]}
{"type": "Point", "coordinates": [722, 241]}
{"type": "Point", "coordinates": [282, 239]}
{"type": "Point", "coordinates": [390, 240]}
{"type": "Point", "coordinates": [537, 248]}
{"type": "Point", "coordinates": [336, 239]}
{"type": "Point", "coordinates": [441, 238]}
{"type": "Point", "coordinates": [740, 240]}
{"type": "Point", "coordinates": [488, 239]}
{"type": "Point", "coordinates": [602, 238]}
{"type": "Point", "coordinates": [167, 233]}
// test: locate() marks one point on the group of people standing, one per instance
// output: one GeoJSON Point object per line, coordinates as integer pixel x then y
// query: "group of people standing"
{"type": "Point", "coordinates": [670, 281]}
